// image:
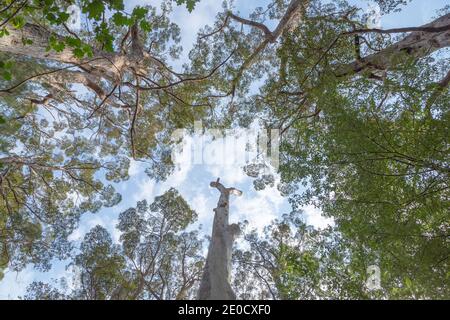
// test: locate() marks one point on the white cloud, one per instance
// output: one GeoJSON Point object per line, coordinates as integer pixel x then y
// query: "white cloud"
{"type": "Point", "coordinates": [259, 208]}
{"type": "Point", "coordinates": [141, 189]}
{"type": "Point", "coordinates": [135, 168]}
{"type": "Point", "coordinates": [200, 204]}
{"type": "Point", "coordinates": [230, 175]}
{"type": "Point", "coordinates": [76, 235]}
{"type": "Point", "coordinates": [315, 218]}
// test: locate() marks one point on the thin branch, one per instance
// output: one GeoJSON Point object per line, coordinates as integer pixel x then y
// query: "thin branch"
{"type": "Point", "coordinates": [258, 25]}
{"type": "Point", "coordinates": [441, 86]}
{"type": "Point", "coordinates": [14, 13]}
{"type": "Point", "coordinates": [224, 24]}
{"type": "Point", "coordinates": [400, 30]}
{"type": "Point", "coordinates": [133, 121]}
{"type": "Point", "coordinates": [103, 102]}
{"type": "Point", "coordinates": [191, 79]}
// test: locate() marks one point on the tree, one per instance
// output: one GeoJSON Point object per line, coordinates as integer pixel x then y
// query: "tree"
{"type": "Point", "coordinates": [155, 259]}
{"type": "Point", "coordinates": [215, 283]}
{"type": "Point", "coordinates": [363, 117]}
{"type": "Point", "coordinates": [127, 78]}
{"type": "Point", "coordinates": [291, 260]}
{"type": "Point", "coordinates": [74, 103]}
{"type": "Point", "coordinates": [47, 180]}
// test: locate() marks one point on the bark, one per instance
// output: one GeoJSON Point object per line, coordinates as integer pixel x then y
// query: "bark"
{"type": "Point", "coordinates": [90, 81]}
{"type": "Point", "coordinates": [416, 45]}
{"type": "Point", "coordinates": [107, 65]}
{"type": "Point", "coordinates": [101, 70]}
{"type": "Point", "coordinates": [291, 18]}
{"type": "Point", "coordinates": [420, 43]}
{"type": "Point", "coordinates": [215, 283]}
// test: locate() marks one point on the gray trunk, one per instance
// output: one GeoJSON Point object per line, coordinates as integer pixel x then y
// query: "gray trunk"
{"type": "Point", "coordinates": [215, 283]}
{"type": "Point", "coordinates": [107, 65]}
{"type": "Point", "coordinates": [417, 44]}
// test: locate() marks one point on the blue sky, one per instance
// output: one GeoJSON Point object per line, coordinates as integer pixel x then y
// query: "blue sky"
{"type": "Point", "coordinates": [192, 181]}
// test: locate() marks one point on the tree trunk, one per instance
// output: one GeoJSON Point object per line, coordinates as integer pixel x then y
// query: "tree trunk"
{"type": "Point", "coordinates": [215, 283]}
{"type": "Point", "coordinates": [106, 65]}
{"type": "Point", "coordinates": [417, 44]}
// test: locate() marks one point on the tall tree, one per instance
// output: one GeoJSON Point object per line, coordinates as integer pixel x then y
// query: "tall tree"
{"type": "Point", "coordinates": [363, 117]}
{"type": "Point", "coordinates": [215, 284]}
{"type": "Point", "coordinates": [74, 107]}
{"type": "Point", "coordinates": [291, 260]}
{"type": "Point", "coordinates": [157, 258]}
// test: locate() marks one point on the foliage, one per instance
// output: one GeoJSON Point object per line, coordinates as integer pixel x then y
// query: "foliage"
{"type": "Point", "coordinates": [157, 258]}
{"type": "Point", "coordinates": [371, 148]}
{"type": "Point", "coordinates": [291, 260]}
{"type": "Point", "coordinates": [57, 153]}
{"type": "Point", "coordinates": [58, 14]}
{"type": "Point", "coordinates": [363, 116]}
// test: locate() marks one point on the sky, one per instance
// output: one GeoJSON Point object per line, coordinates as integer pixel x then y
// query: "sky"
{"type": "Point", "coordinates": [192, 180]}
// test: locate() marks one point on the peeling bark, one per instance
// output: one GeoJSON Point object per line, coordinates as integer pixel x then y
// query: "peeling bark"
{"type": "Point", "coordinates": [215, 283]}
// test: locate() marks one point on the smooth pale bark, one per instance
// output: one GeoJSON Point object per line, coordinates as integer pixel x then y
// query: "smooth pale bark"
{"type": "Point", "coordinates": [107, 65]}
{"type": "Point", "coordinates": [291, 18]}
{"type": "Point", "coordinates": [215, 283]}
{"type": "Point", "coordinates": [417, 44]}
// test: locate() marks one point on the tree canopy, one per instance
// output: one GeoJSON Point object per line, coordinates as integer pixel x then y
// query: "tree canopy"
{"type": "Point", "coordinates": [363, 116]}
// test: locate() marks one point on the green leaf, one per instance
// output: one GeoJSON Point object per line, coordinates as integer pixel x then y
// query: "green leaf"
{"type": "Point", "coordinates": [408, 282]}
{"type": "Point", "coordinates": [78, 52]}
{"type": "Point", "coordinates": [88, 50]}
{"type": "Point", "coordinates": [51, 17]}
{"type": "Point", "coordinates": [63, 17]}
{"type": "Point", "coordinates": [139, 13]}
{"type": "Point", "coordinates": [4, 32]}
{"type": "Point", "coordinates": [94, 9]}
{"type": "Point", "coordinates": [18, 22]}
{"type": "Point", "coordinates": [73, 42]}
{"type": "Point", "coordinates": [104, 37]}
{"type": "Point", "coordinates": [116, 5]}
{"type": "Point", "coordinates": [8, 64]}
{"type": "Point", "coordinates": [56, 45]}
{"type": "Point", "coordinates": [7, 75]}
{"type": "Point", "coordinates": [145, 26]}
{"type": "Point", "coordinates": [120, 19]}
{"type": "Point", "coordinates": [27, 41]}
{"type": "Point", "coordinates": [190, 4]}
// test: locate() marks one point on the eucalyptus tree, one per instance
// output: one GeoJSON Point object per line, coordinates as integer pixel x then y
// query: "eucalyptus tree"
{"type": "Point", "coordinates": [47, 180]}
{"type": "Point", "coordinates": [363, 117]}
{"type": "Point", "coordinates": [76, 102]}
{"type": "Point", "coordinates": [291, 260]}
{"type": "Point", "coordinates": [156, 257]}
{"type": "Point", "coordinates": [215, 283]}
